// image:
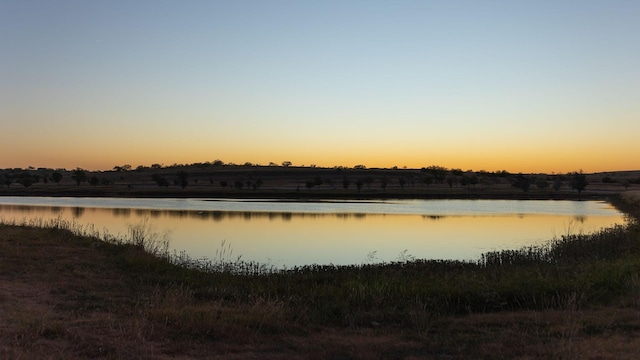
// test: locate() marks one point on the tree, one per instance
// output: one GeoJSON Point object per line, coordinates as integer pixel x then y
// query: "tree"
{"type": "Point", "coordinates": [25, 179]}
{"type": "Point", "coordinates": [438, 172]}
{"type": "Point", "coordinates": [182, 178]}
{"type": "Point", "coordinates": [469, 178]}
{"type": "Point", "coordinates": [79, 176]}
{"type": "Point", "coordinates": [427, 180]}
{"type": "Point", "coordinates": [7, 179]}
{"type": "Point", "coordinates": [541, 182]}
{"type": "Point", "coordinates": [557, 183]}
{"type": "Point", "coordinates": [383, 183]}
{"type": "Point", "coordinates": [451, 179]}
{"type": "Point", "coordinates": [402, 181]}
{"type": "Point", "coordinates": [579, 182]}
{"type": "Point", "coordinates": [93, 181]}
{"type": "Point", "coordinates": [359, 184]}
{"type": "Point", "coordinates": [286, 163]}
{"type": "Point", "coordinates": [160, 180]}
{"type": "Point", "coordinates": [345, 183]}
{"type": "Point", "coordinates": [309, 184]}
{"type": "Point", "coordinates": [521, 182]}
{"type": "Point", "coordinates": [368, 180]}
{"type": "Point", "coordinates": [126, 167]}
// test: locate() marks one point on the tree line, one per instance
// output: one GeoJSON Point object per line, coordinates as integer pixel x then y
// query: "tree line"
{"type": "Point", "coordinates": [358, 177]}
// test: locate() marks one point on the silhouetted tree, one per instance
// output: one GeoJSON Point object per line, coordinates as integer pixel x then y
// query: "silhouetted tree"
{"type": "Point", "coordinates": [6, 179]}
{"type": "Point", "coordinates": [451, 179]}
{"type": "Point", "coordinates": [438, 172]}
{"type": "Point", "coordinates": [160, 180]}
{"type": "Point", "coordinates": [329, 182]}
{"type": "Point", "coordinates": [626, 184]}
{"type": "Point", "coordinates": [79, 176]}
{"type": "Point", "coordinates": [94, 180]}
{"type": "Point", "coordinates": [182, 178]}
{"type": "Point", "coordinates": [309, 184]}
{"type": "Point", "coordinates": [345, 183]}
{"type": "Point", "coordinates": [383, 183]}
{"type": "Point", "coordinates": [402, 181]}
{"type": "Point", "coordinates": [541, 182]}
{"type": "Point", "coordinates": [427, 180]}
{"type": "Point", "coordinates": [106, 182]}
{"type": "Point", "coordinates": [224, 183]}
{"type": "Point", "coordinates": [125, 167]}
{"type": "Point", "coordinates": [521, 182]}
{"type": "Point", "coordinates": [368, 181]}
{"type": "Point", "coordinates": [557, 183]}
{"type": "Point", "coordinates": [25, 179]}
{"type": "Point", "coordinates": [359, 184]}
{"type": "Point", "coordinates": [579, 182]}
{"type": "Point", "coordinates": [468, 178]}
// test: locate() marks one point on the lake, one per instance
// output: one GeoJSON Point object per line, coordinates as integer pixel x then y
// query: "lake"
{"type": "Point", "coordinates": [289, 233]}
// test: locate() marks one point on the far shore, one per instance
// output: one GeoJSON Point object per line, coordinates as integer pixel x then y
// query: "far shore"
{"type": "Point", "coordinates": [300, 194]}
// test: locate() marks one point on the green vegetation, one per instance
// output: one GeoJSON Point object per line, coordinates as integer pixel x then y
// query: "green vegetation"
{"type": "Point", "coordinates": [562, 299]}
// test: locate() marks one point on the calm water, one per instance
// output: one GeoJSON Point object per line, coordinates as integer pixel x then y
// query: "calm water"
{"type": "Point", "coordinates": [288, 233]}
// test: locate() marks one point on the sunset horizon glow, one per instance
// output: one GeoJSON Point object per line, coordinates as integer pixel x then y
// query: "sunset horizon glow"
{"type": "Point", "coordinates": [541, 87]}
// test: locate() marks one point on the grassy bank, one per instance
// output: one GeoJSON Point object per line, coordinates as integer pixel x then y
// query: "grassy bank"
{"type": "Point", "coordinates": [70, 292]}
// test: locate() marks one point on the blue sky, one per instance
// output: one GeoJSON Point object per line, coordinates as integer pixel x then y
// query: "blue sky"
{"type": "Point", "coordinates": [549, 86]}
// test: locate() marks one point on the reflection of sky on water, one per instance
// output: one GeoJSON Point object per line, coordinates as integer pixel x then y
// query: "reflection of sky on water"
{"type": "Point", "coordinates": [407, 207]}
{"type": "Point", "coordinates": [347, 237]}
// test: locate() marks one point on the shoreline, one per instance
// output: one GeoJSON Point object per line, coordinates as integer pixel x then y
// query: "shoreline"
{"type": "Point", "coordinates": [293, 194]}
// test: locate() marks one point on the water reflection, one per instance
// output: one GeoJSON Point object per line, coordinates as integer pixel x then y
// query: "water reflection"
{"type": "Point", "coordinates": [298, 238]}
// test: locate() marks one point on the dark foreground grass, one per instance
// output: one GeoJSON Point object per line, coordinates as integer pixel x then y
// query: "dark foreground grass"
{"type": "Point", "coordinates": [71, 292]}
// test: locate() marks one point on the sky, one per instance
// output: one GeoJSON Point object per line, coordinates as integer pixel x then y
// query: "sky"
{"type": "Point", "coordinates": [524, 86]}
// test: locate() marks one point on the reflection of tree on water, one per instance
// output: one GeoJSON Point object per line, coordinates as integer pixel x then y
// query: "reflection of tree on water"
{"type": "Point", "coordinates": [349, 215]}
{"type": "Point", "coordinates": [77, 211]}
{"type": "Point", "coordinates": [433, 217]}
{"type": "Point", "coordinates": [124, 212]}
{"type": "Point", "coordinates": [580, 218]}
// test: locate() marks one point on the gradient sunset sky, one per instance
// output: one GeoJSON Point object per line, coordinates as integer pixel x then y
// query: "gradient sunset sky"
{"type": "Point", "coordinates": [526, 86]}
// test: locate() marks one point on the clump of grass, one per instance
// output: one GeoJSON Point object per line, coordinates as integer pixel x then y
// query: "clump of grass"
{"type": "Point", "coordinates": [144, 236]}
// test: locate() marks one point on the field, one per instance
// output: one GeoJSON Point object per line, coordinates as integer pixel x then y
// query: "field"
{"type": "Point", "coordinates": [65, 293]}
